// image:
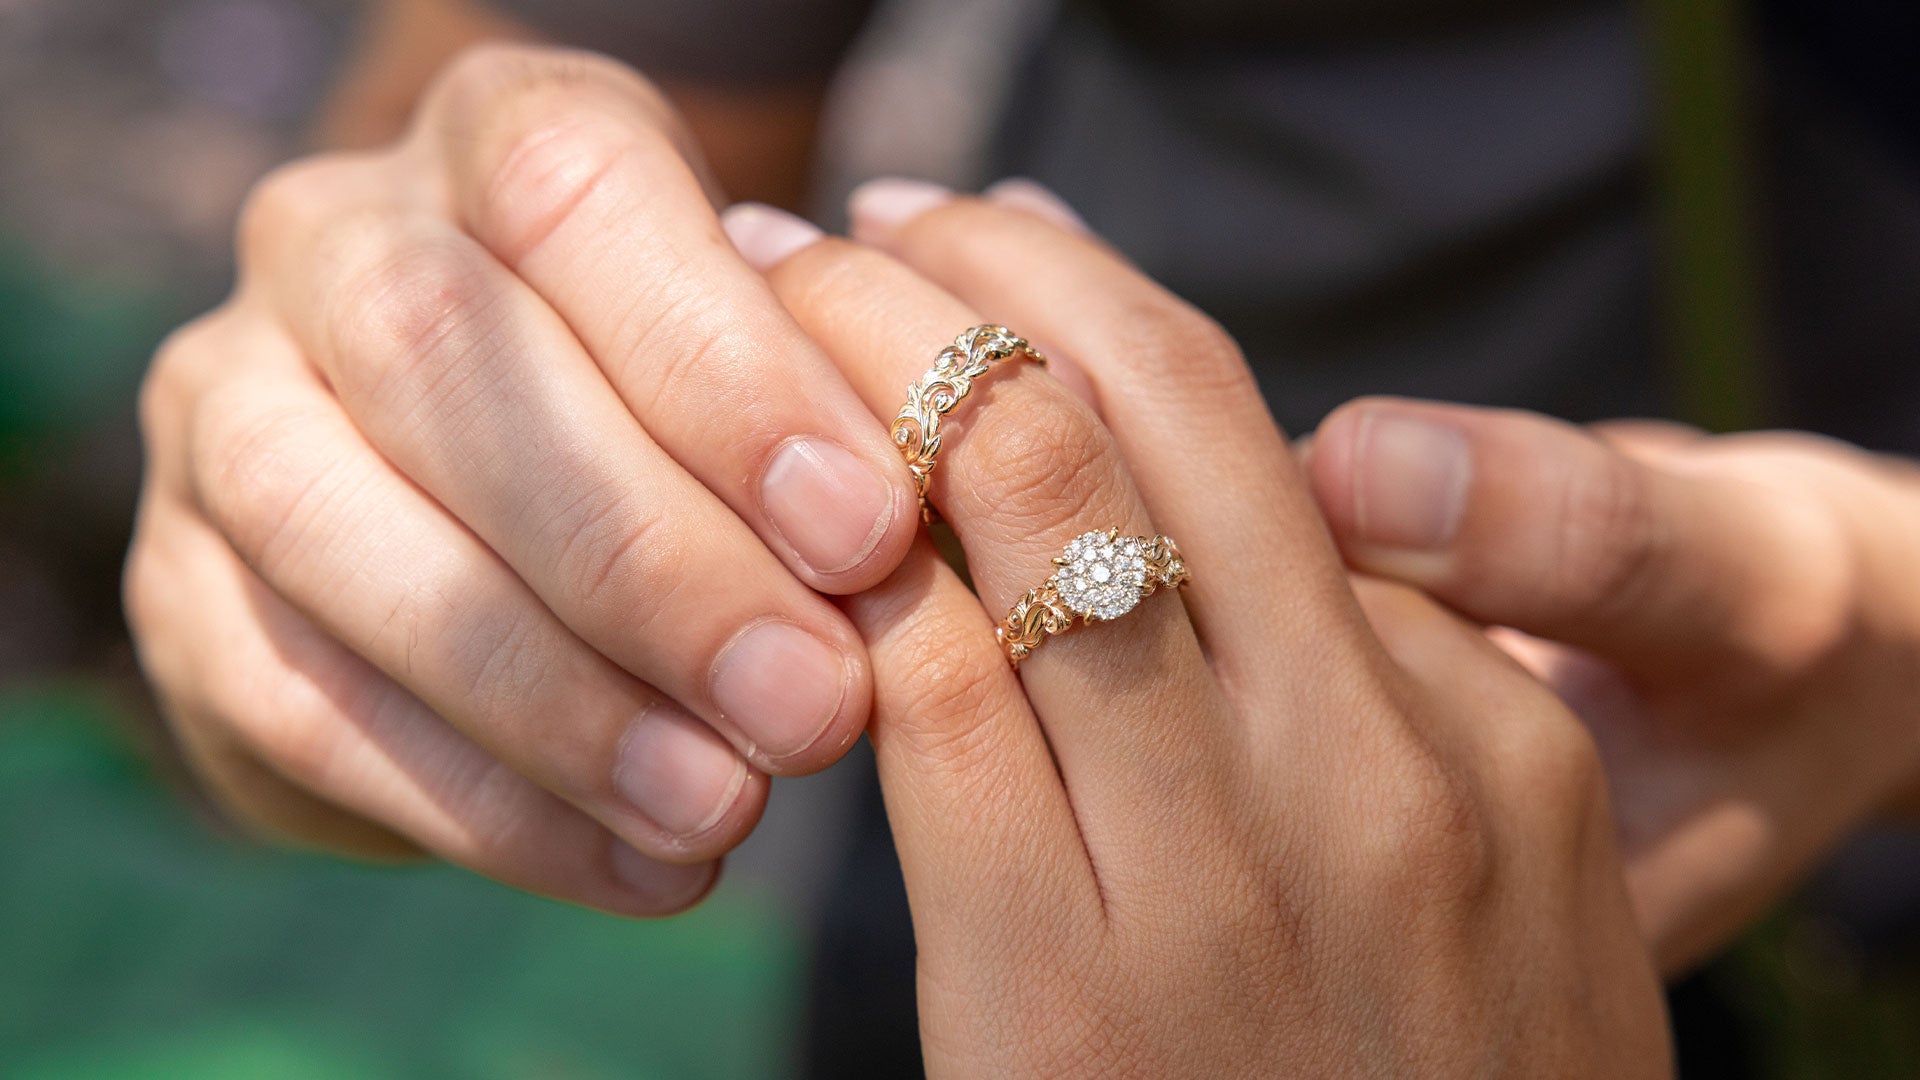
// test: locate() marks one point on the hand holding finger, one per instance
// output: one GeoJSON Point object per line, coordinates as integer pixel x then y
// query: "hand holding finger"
{"type": "Point", "coordinates": [1234, 855]}
{"type": "Point", "coordinates": [1728, 613]}
{"type": "Point", "coordinates": [459, 424]}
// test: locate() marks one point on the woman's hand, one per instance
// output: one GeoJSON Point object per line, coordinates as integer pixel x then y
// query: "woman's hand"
{"type": "Point", "coordinates": [1274, 830]}
{"type": "Point", "coordinates": [485, 518]}
{"type": "Point", "coordinates": [1737, 618]}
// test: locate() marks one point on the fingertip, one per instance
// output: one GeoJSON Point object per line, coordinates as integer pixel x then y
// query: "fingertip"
{"type": "Point", "coordinates": [839, 510]}
{"type": "Point", "coordinates": [766, 236]}
{"type": "Point", "coordinates": [1021, 193]}
{"type": "Point", "coordinates": [793, 695]}
{"type": "Point", "coordinates": [881, 207]}
{"type": "Point", "coordinates": [1329, 468]}
{"type": "Point", "coordinates": [651, 888]}
{"type": "Point", "coordinates": [1398, 474]}
{"type": "Point", "coordinates": [849, 717]}
{"type": "Point", "coordinates": [896, 539]}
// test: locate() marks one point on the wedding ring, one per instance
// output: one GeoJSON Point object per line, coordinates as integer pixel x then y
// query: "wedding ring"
{"type": "Point", "coordinates": [1101, 575]}
{"type": "Point", "coordinates": [916, 431]}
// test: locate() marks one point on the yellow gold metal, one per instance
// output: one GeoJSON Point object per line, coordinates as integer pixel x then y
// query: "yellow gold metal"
{"type": "Point", "coordinates": [1146, 563]}
{"type": "Point", "coordinates": [916, 431]}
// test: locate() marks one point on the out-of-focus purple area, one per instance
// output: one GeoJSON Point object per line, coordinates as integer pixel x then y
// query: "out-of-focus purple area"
{"type": "Point", "coordinates": [129, 133]}
{"type": "Point", "coordinates": [131, 129]}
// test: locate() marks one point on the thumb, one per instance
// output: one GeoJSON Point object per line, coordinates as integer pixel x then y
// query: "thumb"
{"type": "Point", "coordinates": [1518, 520]}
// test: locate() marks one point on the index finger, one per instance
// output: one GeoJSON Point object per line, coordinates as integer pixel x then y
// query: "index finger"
{"type": "Point", "coordinates": [577, 175]}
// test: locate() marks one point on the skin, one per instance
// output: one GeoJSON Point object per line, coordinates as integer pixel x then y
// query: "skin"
{"type": "Point", "coordinates": [424, 498]}
{"type": "Point", "coordinates": [1284, 822]}
{"type": "Point", "coordinates": [482, 519]}
{"type": "Point", "coordinates": [1736, 618]}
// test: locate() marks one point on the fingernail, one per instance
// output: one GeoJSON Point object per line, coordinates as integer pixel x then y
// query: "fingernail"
{"type": "Point", "coordinates": [879, 207]}
{"type": "Point", "coordinates": [765, 235]}
{"type": "Point", "coordinates": [678, 772]}
{"type": "Point", "coordinates": [1039, 200]}
{"type": "Point", "coordinates": [1410, 481]}
{"type": "Point", "coordinates": [830, 505]}
{"type": "Point", "coordinates": [662, 887]}
{"type": "Point", "coordinates": [780, 685]}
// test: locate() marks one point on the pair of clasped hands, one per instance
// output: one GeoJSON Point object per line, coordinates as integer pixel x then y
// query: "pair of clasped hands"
{"type": "Point", "coordinates": [520, 509]}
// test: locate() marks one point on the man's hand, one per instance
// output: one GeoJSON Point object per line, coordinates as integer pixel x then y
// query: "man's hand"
{"type": "Point", "coordinates": [487, 516]}
{"type": "Point", "coordinates": [1737, 619]}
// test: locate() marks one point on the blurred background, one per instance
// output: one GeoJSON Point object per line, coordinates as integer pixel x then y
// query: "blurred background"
{"type": "Point", "coordinates": [1764, 151]}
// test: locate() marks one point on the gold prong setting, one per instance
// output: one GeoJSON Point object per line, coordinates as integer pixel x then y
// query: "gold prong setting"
{"type": "Point", "coordinates": [1100, 576]}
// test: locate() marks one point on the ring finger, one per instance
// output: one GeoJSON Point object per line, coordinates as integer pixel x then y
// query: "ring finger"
{"type": "Point", "coordinates": [1025, 468]}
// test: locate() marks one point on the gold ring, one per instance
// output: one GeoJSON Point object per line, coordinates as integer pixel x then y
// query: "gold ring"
{"type": "Point", "coordinates": [1101, 575]}
{"type": "Point", "coordinates": [916, 431]}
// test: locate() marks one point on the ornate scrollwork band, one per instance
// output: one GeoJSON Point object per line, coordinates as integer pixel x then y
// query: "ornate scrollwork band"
{"type": "Point", "coordinates": [916, 431]}
{"type": "Point", "coordinates": [1101, 575]}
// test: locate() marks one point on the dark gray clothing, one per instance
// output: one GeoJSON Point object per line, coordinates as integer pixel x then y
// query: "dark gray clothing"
{"type": "Point", "coordinates": [1427, 197]}
{"type": "Point", "coordinates": [1452, 213]}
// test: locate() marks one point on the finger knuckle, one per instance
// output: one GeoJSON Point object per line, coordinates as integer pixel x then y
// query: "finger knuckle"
{"type": "Point", "coordinates": [411, 315]}
{"type": "Point", "coordinates": [1608, 538]}
{"type": "Point", "coordinates": [618, 557]}
{"type": "Point", "coordinates": [1037, 462]}
{"type": "Point", "coordinates": [279, 715]}
{"type": "Point", "coordinates": [554, 124]}
{"type": "Point", "coordinates": [139, 588]}
{"type": "Point", "coordinates": [1554, 782]}
{"type": "Point", "coordinates": [944, 714]}
{"type": "Point", "coordinates": [550, 168]}
{"type": "Point", "coordinates": [254, 478]}
{"type": "Point", "coordinates": [490, 76]}
{"type": "Point", "coordinates": [1189, 355]}
{"type": "Point", "coordinates": [691, 348]}
{"type": "Point", "coordinates": [166, 388]}
{"type": "Point", "coordinates": [289, 197]}
{"type": "Point", "coordinates": [500, 663]}
{"type": "Point", "coordinates": [1429, 846]}
{"type": "Point", "coordinates": [291, 731]}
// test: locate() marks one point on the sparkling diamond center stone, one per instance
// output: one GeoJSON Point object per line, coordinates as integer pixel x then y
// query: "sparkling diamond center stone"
{"type": "Point", "coordinates": [1102, 576]}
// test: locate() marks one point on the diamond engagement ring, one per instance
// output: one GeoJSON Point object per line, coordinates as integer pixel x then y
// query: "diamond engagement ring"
{"type": "Point", "coordinates": [916, 431]}
{"type": "Point", "coordinates": [1101, 575]}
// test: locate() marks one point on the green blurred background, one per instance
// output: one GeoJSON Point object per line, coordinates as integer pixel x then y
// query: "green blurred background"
{"type": "Point", "coordinates": [140, 936]}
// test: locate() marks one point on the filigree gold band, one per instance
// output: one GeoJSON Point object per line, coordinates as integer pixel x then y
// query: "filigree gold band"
{"type": "Point", "coordinates": [916, 431]}
{"type": "Point", "coordinates": [1101, 575]}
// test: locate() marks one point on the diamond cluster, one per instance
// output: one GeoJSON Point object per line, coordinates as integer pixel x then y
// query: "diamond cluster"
{"type": "Point", "coordinates": [1101, 575]}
